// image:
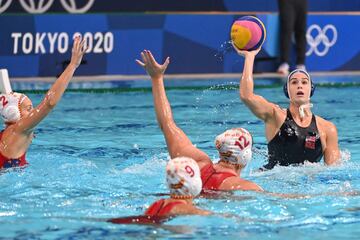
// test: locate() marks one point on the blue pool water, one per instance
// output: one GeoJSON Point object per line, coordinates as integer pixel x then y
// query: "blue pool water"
{"type": "Point", "coordinates": [102, 155]}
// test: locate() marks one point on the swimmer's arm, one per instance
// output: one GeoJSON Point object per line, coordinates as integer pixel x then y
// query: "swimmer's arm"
{"type": "Point", "coordinates": [179, 145]}
{"type": "Point", "coordinates": [258, 105]}
{"type": "Point", "coordinates": [55, 93]}
{"type": "Point", "coordinates": [156, 72]}
{"type": "Point", "coordinates": [189, 210]}
{"type": "Point", "coordinates": [332, 152]}
{"type": "Point", "coordinates": [236, 183]}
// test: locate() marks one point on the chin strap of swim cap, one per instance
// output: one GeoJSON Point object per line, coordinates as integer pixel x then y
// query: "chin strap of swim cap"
{"type": "Point", "coordinates": [234, 146]}
{"type": "Point", "coordinates": [303, 107]}
{"type": "Point", "coordinates": [183, 177]}
{"type": "Point", "coordinates": [10, 106]}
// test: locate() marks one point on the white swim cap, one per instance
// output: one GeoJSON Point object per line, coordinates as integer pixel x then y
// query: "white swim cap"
{"type": "Point", "coordinates": [10, 106]}
{"type": "Point", "coordinates": [234, 146]}
{"type": "Point", "coordinates": [183, 177]}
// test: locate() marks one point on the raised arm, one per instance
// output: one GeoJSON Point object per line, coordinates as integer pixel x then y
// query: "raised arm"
{"type": "Point", "coordinates": [257, 104]}
{"type": "Point", "coordinates": [55, 93]}
{"type": "Point", "coordinates": [331, 152]}
{"type": "Point", "coordinates": [177, 142]}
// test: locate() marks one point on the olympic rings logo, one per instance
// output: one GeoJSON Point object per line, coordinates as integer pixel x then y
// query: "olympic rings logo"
{"type": "Point", "coordinates": [41, 6]}
{"type": "Point", "coordinates": [322, 37]}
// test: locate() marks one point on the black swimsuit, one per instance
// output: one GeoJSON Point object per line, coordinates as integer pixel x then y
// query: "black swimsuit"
{"type": "Point", "coordinates": [294, 144]}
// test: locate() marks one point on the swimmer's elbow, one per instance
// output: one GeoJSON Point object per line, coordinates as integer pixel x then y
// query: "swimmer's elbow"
{"type": "Point", "coordinates": [332, 157]}
{"type": "Point", "coordinates": [246, 97]}
{"type": "Point", "coordinates": [50, 101]}
{"type": "Point", "coordinates": [51, 104]}
{"type": "Point", "coordinates": [52, 98]}
{"type": "Point", "coordinates": [334, 161]}
{"type": "Point", "coordinates": [161, 127]}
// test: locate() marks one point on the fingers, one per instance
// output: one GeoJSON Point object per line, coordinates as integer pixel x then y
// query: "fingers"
{"type": "Point", "coordinates": [140, 63]}
{"type": "Point", "coordinates": [151, 57]}
{"type": "Point", "coordinates": [167, 61]}
{"type": "Point", "coordinates": [143, 57]}
{"type": "Point", "coordinates": [236, 49]}
{"type": "Point", "coordinates": [147, 57]}
{"type": "Point", "coordinates": [148, 60]}
{"type": "Point", "coordinates": [258, 50]}
{"type": "Point", "coordinates": [81, 45]}
{"type": "Point", "coordinates": [76, 43]}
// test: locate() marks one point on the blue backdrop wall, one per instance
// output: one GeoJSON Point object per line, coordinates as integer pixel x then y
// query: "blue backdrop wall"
{"type": "Point", "coordinates": [40, 45]}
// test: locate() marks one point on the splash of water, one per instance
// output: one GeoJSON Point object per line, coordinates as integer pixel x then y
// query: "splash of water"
{"type": "Point", "coordinates": [225, 48]}
{"type": "Point", "coordinates": [150, 167]}
{"type": "Point", "coordinates": [345, 155]}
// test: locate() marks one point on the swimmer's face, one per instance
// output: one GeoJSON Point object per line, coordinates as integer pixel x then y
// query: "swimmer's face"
{"type": "Point", "coordinates": [25, 107]}
{"type": "Point", "coordinates": [299, 88]}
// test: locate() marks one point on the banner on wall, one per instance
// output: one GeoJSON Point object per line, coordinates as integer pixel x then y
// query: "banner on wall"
{"type": "Point", "coordinates": [40, 45]}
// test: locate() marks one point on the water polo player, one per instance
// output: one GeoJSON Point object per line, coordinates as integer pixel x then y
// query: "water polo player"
{"type": "Point", "coordinates": [184, 182]}
{"type": "Point", "coordinates": [21, 118]}
{"type": "Point", "coordinates": [234, 145]}
{"type": "Point", "coordinates": [295, 135]}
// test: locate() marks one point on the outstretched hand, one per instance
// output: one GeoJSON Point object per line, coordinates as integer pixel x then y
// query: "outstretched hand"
{"type": "Point", "coordinates": [245, 53]}
{"type": "Point", "coordinates": [78, 51]}
{"type": "Point", "coordinates": [153, 68]}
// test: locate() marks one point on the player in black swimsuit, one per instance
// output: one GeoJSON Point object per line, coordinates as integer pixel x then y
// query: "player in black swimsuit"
{"type": "Point", "coordinates": [295, 135]}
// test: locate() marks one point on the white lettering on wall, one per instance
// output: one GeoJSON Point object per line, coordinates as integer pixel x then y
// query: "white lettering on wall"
{"type": "Point", "coordinates": [16, 37]}
{"type": "Point", "coordinates": [52, 42]}
{"type": "Point", "coordinates": [39, 43]}
{"type": "Point", "coordinates": [27, 43]}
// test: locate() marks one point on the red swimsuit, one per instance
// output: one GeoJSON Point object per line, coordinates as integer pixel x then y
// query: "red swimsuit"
{"type": "Point", "coordinates": [8, 163]}
{"type": "Point", "coordinates": [211, 179]}
{"type": "Point", "coordinates": [160, 209]}
{"type": "Point", "coordinates": [157, 213]}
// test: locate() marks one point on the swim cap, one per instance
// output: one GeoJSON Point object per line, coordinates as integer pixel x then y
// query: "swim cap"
{"type": "Point", "coordinates": [183, 177]}
{"type": "Point", "coordinates": [234, 146]}
{"type": "Point", "coordinates": [286, 87]}
{"type": "Point", "coordinates": [10, 106]}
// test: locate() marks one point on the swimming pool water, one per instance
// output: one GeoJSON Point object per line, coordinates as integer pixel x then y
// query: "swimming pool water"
{"type": "Point", "coordinates": [102, 155]}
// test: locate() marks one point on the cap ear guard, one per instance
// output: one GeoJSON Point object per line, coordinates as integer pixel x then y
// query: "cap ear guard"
{"type": "Point", "coordinates": [10, 106]}
{"type": "Point", "coordinates": [10, 114]}
{"type": "Point", "coordinates": [285, 87]}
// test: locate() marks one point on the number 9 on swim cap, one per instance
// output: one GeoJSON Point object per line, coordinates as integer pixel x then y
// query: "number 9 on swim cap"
{"type": "Point", "coordinates": [248, 33]}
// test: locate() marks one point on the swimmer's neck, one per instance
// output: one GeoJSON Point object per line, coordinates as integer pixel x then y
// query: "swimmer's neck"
{"type": "Point", "coordinates": [225, 164]}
